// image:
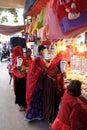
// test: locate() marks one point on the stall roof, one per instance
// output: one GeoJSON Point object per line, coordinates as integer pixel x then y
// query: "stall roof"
{"type": "Point", "coordinates": [12, 3]}
{"type": "Point", "coordinates": [35, 8]}
{"type": "Point", "coordinates": [9, 30]}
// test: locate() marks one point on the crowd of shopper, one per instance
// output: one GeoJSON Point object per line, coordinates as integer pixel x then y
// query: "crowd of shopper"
{"type": "Point", "coordinates": [39, 89]}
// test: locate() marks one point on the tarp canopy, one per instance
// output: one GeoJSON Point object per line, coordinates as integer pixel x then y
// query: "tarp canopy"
{"type": "Point", "coordinates": [9, 30]}
{"type": "Point", "coordinates": [28, 6]}
{"type": "Point", "coordinates": [12, 3]}
{"type": "Point", "coordinates": [35, 7]}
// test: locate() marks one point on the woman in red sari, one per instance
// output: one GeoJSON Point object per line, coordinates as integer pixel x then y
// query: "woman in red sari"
{"type": "Point", "coordinates": [68, 114]}
{"type": "Point", "coordinates": [28, 58]}
{"type": "Point", "coordinates": [34, 92]}
{"type": "Point", "coordinates": [19, 77]}
{"type": "Point", "coordinates": [54, 86]}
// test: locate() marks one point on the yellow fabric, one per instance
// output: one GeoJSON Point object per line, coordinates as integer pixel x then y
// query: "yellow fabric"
{"type": "Point", "coordinates": [40, 19]}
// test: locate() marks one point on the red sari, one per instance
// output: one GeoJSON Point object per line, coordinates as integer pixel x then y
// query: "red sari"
{"type": "Point", "coordinates": [17, 51]}
{"type": "Point", "coordinates": [53, 88]}
{"type": "Point", "coordinates": [28, 60]}
{"type": "Point", "coordinates": [18, 78]}
{"type": "Point", "coordinates": [59, 76]}
{"type": "Point", "coordinates": [32, 77]}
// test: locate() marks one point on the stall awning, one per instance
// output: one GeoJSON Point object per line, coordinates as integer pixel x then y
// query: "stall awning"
{"type": "Point", "coordinates": [10, 30]}
{"type": "Point", "coordinates": [28, 6]}
{"type": "Point", "coordinates": [37, 5]}
{"type": "Point", "coordinates": [12, 3]}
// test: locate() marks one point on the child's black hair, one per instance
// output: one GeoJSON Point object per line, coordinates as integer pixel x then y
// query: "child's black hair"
{"type": "Point", "coordinates": [41, 47]}
{"type": "Point", "coordinates": [75, 88]}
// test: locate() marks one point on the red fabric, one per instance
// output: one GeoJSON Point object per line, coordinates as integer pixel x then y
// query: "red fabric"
{"type": "Point", "coordinates": [18, 74]}
{"type": "Point", "coordinates": [69, 110]}
{"type": "Point", "coordinates": [61, 12]}
{"type": "Point", "coordinates": [17, 51]}
{"type": "Point", "coordinates": [32, 76]}
{"type": "Point", "coordinates": [51, 19]}
{"type": "Point", "coordinates": [59, 76]}
{"type": "Point", "coordinates": [53, 4]}
{"type": "Point", "coordinates": [37, 7]}
{"type": "Point", "coordinates": [58, 125]}
{"type": "Point", "coordinates": [71, 9]}
{"type": "Point", "coordinates": [46, 42]}
{"type": "Point", "coordinates": [81, 5]}
{"type": "Point", "coordinates": [28, 60]}
{"type": "Point", "coordinates": [61, 55]}
{"type": "Point", "coordinates": [60, 84]}
{"type": "Point", "coordinates": [82, 122]}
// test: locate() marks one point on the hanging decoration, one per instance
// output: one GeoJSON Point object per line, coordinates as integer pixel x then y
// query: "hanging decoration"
{"type": "Point", "coordinates": [72, 15]}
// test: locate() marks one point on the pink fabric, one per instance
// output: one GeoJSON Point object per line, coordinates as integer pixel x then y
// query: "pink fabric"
{"type": "Point", "coordinates": [32, 76]}
{"type": "Point", "coordinates": [52, 23]}
{"type": "Point", "coordinates": [42, 33]}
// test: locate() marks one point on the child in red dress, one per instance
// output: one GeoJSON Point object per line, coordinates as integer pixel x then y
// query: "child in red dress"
{"type": "Point", "coordinates": [68, 113]}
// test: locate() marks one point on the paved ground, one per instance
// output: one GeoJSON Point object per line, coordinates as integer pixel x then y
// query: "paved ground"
{"type": "Point", "coordinates": [10, 117]}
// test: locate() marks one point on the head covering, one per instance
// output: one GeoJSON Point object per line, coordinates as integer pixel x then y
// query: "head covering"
{"type": "Point", "coordinates": [17, 51]}
{"type": "Point", "coordinates": [56, 60]}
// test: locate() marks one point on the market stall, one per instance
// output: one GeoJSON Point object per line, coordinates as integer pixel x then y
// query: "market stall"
{"type": "Point", "coordinates": [55, 25]}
